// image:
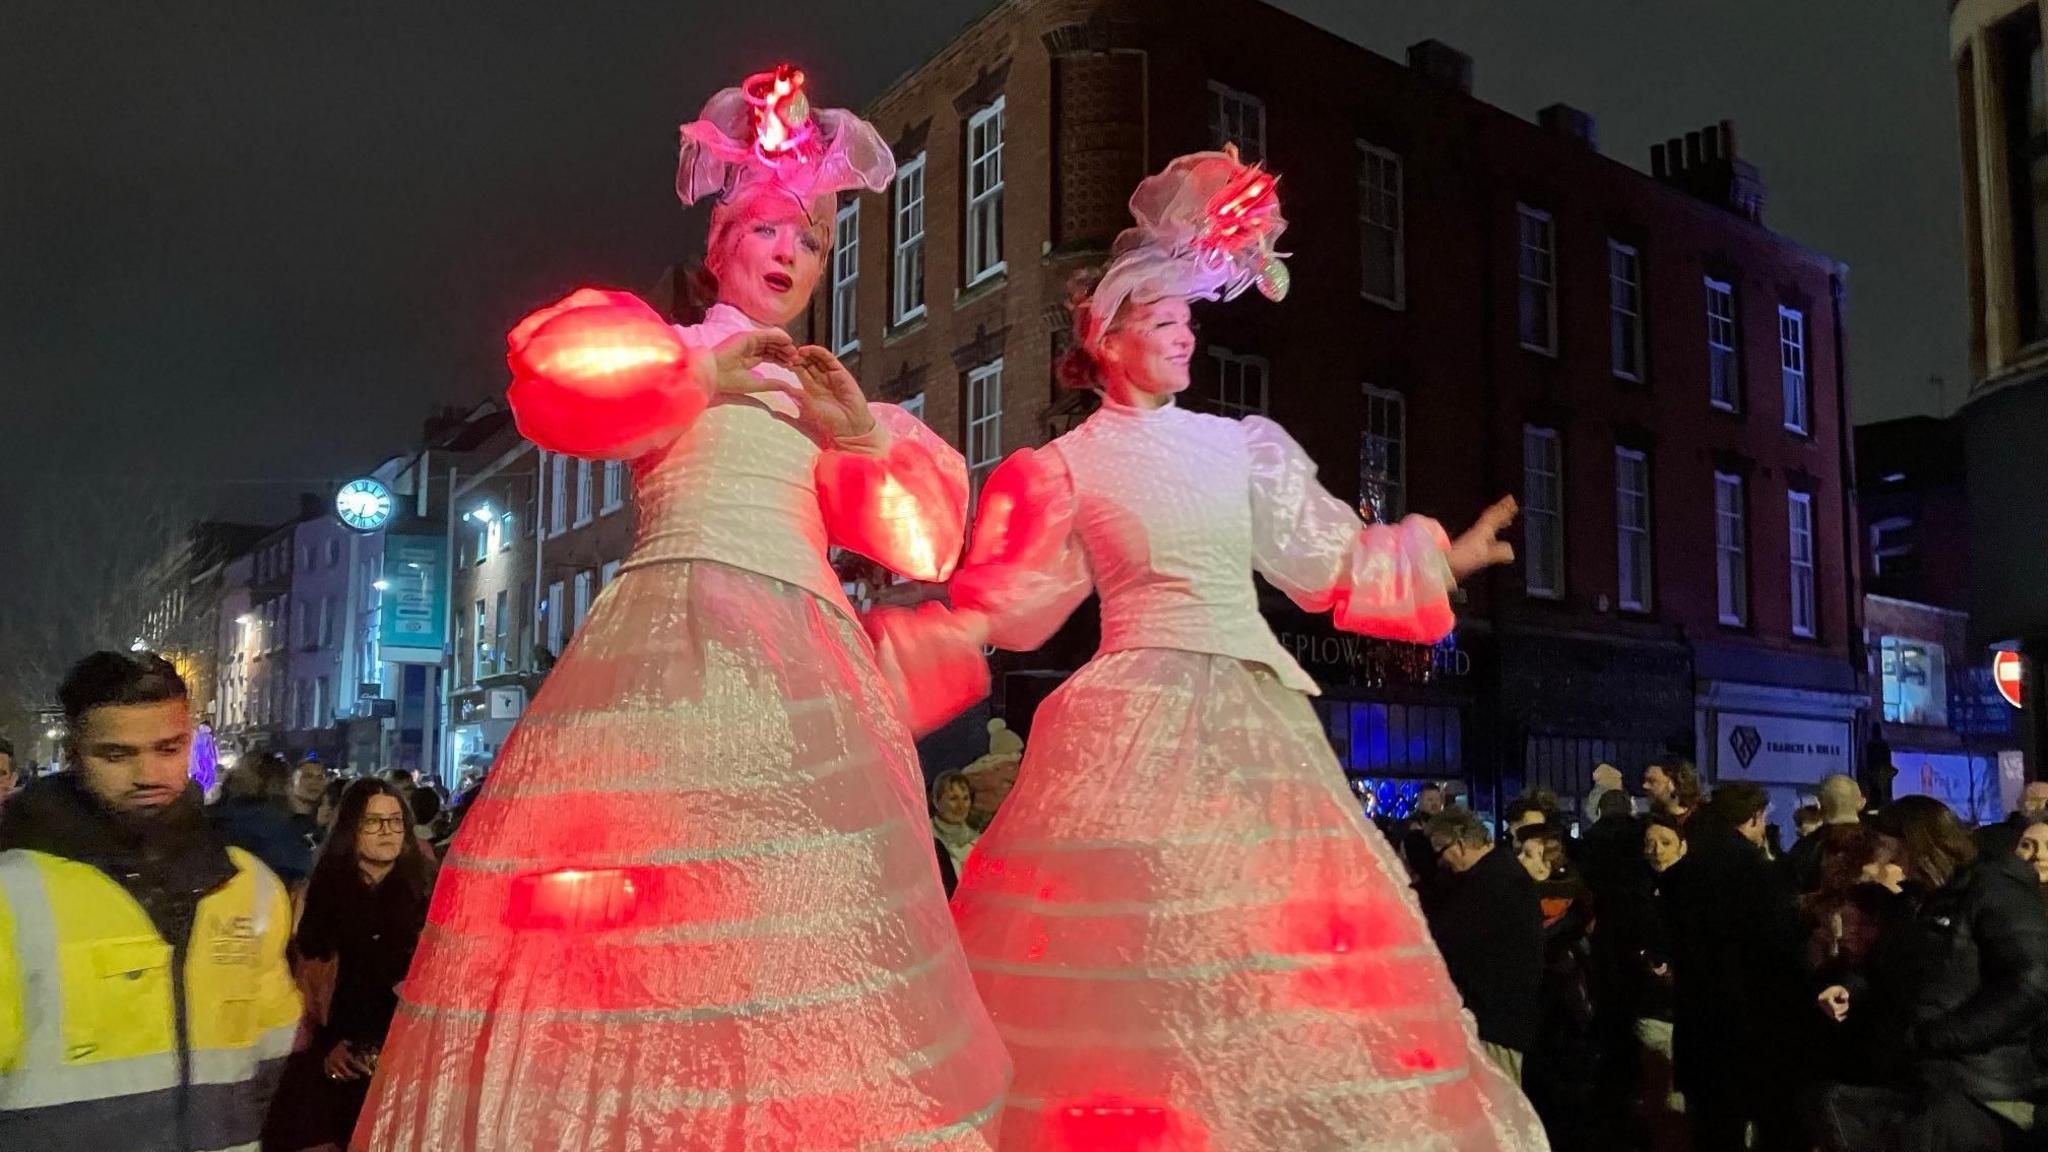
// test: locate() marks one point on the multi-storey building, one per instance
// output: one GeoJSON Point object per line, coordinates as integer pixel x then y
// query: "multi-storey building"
{"type": "Point", "coordinates": [1481, 305]}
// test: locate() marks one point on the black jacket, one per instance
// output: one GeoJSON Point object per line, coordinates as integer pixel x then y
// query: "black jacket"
{"type": "Point", "coordinates": [1735, 935]}
{"type": "Point", "coordinates": [167, 861]}
{"type": "Point", "coordinates": [1489, 926]}
{"type": "Point", "coordinates": [373, 932]}
{"type": "Point", "coordinates": [1967, 976]}
{"type": "Point", "coordinates": [265, 828]}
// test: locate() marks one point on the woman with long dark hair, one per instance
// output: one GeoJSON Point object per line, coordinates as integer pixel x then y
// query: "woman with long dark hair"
{"type": "Point", "coordinates": [366, 905]}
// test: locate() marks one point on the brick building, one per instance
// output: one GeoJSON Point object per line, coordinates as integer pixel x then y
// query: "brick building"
{"type": "Point", "coordinates": [538, 536]}
{"type": "Point", "coordinates": [1481, 305]}
{"type": "Point", "coordinates": [1996, 46]}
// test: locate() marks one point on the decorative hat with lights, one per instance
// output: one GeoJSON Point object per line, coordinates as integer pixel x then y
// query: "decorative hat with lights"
{"type": "Point", "coordinates": [765, 134]}
{"type": "Point", "coordinates": [1206, 230]}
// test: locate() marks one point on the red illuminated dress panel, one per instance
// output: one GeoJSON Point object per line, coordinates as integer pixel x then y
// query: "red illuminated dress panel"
{"type": "Point", "coordinates": [696, 907]}
{"type": "Point", "coordinates": [1188, 935]}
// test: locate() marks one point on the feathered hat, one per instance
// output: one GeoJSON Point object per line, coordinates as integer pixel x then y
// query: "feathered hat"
{"type": "Point", "coordinates": [1206, 229]}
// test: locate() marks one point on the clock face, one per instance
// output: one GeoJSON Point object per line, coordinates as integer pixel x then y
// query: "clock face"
{"type": "Point", "coordinates": [364, 505]}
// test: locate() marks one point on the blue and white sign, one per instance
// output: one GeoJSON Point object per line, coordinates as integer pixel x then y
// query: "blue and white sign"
{"type": "Point", "coordinates": [412, 617]}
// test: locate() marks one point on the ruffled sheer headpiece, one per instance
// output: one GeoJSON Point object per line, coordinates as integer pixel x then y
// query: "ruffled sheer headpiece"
{"type": "Point", "coordinates": [1206, 229]}
{"type": "Point", "coordinates": [765, 134]}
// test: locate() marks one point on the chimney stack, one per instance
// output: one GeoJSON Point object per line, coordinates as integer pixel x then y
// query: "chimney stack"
{"type": "Point", "coordinates": [1705, 164]}
{"type": "Point", "coordinates": [1568, 123]}
{"type": "Point", "coordinates": [1440, 62]}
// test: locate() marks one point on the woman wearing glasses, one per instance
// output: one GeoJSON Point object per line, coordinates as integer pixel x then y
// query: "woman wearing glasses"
{"type": "Point", "coordinates": [365, 907]}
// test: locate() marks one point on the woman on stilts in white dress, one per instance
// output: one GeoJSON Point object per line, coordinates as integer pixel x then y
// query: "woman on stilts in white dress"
{"type": "Point", "coordinates": [696, 906]}
{"type": "Point", "coordinates": [1188, 934]}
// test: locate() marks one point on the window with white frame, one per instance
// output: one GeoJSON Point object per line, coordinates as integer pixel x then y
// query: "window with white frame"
{"type": "Point", "coordinates": [1724, 362]}
{"type": "Point", "coordinates": [607, 574]}
{"type": "Point", "coordinates": [985, 193]}
{"type": "Point", "coordinates": [1632, 529]}
{"type": "Point", "coordinates": [558, 495]}
{"type": "Point", "coordinates": [584, 591]}
{"type": "Point", "coordinates": [1792, 369]}
{"type": "Point", "coordinates": [505, 531]}
{"type": "Point", "coordinates": [554, 609]}
{"type": "Point", "coordinates": [491, 537]}
{"type": "Point", "coordinates": [302, 633]}
{"type": "Point", "coordinates": [501, 651]}
{"type": "Point", "coordinates": [1237, 118]}
{"type": "Point", "coordinates": [1543, 512]}
{"type": "Point", "coordinates": [984, 422]}
{"type": "Point", "coordinates": [1805, 609]}
{"type": "Point", "coordinates": [1383, 457]}
{"type": "Point", "coordinates": [914, 405]}
{"type": "Point", "coordinates": [1536, 269]}
{"type": "Point", "coordinates": [614, 487]}
{"type": "Point", "coordinates": [908, 294]}
{"type": "Point", "coordinates": [585, 497]}
{"type": "Point", "coordinates": [1731, 550]}
{"type": "Point", "coordinates": [326, 621]}
{"type": "Point", "coordinates": [1240, 383]}
{"type": "Point", "coordinates": [333, 552]}
{"type": "Point", "coordinates": [846, 279]}
{"type": "Point", "coordinates": [1625, 309]}
{"type": "Point", "coordinates": [1383, 243]}
{"type": "Point", "coordinates": [481, 666]}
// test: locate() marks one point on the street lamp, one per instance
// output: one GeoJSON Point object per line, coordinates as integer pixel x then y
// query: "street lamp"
{"type": "Point", "coordinates": [482, 515]}
{"type": "Point", "coordinates": [381, 585]}
{"type": "Point", "coordinates": [138, 645]}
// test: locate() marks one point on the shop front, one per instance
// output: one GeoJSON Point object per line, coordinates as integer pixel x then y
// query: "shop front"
{"type": "Point", "coordinates": [1786, 736]}
{"type": "Point", "coordinates": [1398, 716]}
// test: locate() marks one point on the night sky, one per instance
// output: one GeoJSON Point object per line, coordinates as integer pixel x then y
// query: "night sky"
{"type": "Point", "coordinates": [246, 244]}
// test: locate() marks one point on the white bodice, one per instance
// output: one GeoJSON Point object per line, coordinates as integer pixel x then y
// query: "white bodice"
{"type": "Point", "coordinates": [1163, 513]}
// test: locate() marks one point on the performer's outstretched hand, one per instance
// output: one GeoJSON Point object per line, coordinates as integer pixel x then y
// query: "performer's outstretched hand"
{"type": "Point", "coordinates": [832, 397]}
{"type": "Point", "coordinates": [731, 364]}
{"type": "Point", "coordinates": [1481, 547]}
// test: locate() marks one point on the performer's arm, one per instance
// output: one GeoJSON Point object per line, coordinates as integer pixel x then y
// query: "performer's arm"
{"type": "Point", "coordinates": [896, 494]}
{"type": "Point", "coordinates": [600, 375]}
{"type": "Point", "coordinates": [1023, 577]}
{"type": "Point", "coordinates": [1387, 580]}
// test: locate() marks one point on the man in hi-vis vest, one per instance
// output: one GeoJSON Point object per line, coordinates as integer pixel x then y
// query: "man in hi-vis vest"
{"type": "Point", "coordinates": [145, 1003]}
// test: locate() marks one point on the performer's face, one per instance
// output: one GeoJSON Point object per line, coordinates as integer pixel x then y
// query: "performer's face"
{"type": "Point", "coordinates": [772, 261]}
{"type": "Point", "coordinates": [1148, 348]}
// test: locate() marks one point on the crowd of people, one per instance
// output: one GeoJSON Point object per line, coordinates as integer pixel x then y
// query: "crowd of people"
{"type": "Point", "coordinates": [304, 891]}
{"type": "Point", "coordinates": [1663, 977]}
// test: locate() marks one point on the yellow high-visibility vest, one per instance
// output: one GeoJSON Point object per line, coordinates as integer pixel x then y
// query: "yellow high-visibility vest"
{"type": "Point", "coordinates": [90, 1055]}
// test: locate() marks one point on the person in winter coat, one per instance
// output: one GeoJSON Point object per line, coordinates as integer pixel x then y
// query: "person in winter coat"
{"type": "Point", "coordinates": [366, 906]}
{"type": "Point", "coordinates": [1486, 919]}
{"type": "Point", "coordinates": [145, 1004]}
{"type": "Point", "coordinates": [1734, 935]}
{"type": "Point", "coordinates": [1963, 984]}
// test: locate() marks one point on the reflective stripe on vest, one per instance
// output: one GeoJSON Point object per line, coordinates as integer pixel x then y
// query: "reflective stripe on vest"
{"type": "Point", "coordinates": [43, 1077]}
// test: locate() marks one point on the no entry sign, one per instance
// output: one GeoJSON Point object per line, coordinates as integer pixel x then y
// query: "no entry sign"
{"type": "Point", "coordinates": [2008, 673]}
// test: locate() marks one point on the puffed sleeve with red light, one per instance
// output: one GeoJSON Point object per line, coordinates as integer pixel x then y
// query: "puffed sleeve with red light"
{"type": "Point", "coordinates": [897, 495]}
{"type": "Point", "coordinates": [1387, 580]}
{"type": "Point", "coordinates": [601, 375]}
{"type": "Point", "coordinates": [1026, 570]}
{"type": "Point", "coordinates": [1024, 575]}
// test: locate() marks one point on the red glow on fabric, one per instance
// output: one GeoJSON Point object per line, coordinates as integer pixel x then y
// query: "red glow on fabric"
{"type": "Point", "coordinates": [1108, 1124]}
{"type": "Point", "coordinates": [598, 370]}
{"type": "Point", "coordinates": [573, 900]}
{"type": "Point", "coordinates": [782, 113]}
{"type": "Point", "coordinates": [1320, 927]}
{"type": "Point", "coordinates": [1419, 1060]}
